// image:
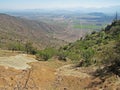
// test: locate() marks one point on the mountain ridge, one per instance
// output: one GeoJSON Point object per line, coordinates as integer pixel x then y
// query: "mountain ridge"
{"type": "Point", "coordinates": [14, 28]}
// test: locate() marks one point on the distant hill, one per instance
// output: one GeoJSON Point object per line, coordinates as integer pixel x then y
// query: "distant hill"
{"type": "Point", "coordinates": [14, 29]}
{"type": "Point", "coordinates": [97, 14]}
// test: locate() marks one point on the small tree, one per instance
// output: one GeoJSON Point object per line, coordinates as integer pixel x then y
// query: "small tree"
{"type": "Point", "coordinates": [46, 54]}
{"type": "Point", "coordinates": [29, 48]}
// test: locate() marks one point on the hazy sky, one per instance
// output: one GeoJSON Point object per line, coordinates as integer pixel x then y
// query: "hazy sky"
{"type": "Point", "coordinates": [36, 4]}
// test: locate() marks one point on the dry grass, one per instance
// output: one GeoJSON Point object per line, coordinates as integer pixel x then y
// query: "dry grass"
{"type": "Point", "coordinates": [6, 53]}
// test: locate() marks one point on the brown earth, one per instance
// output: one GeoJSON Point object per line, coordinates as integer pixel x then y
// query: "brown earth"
{"type": "Point", "coordinates": [54, 75]}
{"type": "Point", "coordinates": [41, 76]}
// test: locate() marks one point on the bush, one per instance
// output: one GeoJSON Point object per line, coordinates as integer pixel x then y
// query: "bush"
{"type": "Point", "coordinates": [15, 46]}
{"type": "Point", "coordinates": [46, 54]}
{"type": "Point", "coordinates": [62, 55]}
{"type": "Point", "coordinates": [87, 56]}
{"type": "Point", "coordinates": [74, 56]}
{"type": "Point", "coordinates": [111, 60]}
{"type": "Point", "coordinates": [93, 32]}
{"type": "Point", "coordinates": [29, 48]}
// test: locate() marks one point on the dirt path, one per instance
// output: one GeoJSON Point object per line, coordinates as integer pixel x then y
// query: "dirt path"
{"type": "Point", "coordinates": [49, 75]}
{"type": "Point", "coordinates": [18, 62]}
{"type": "Point", "coordinates": [68, 78]}
{"type": "Point", "coordinates": [23, 72]}
{"type": "Point", "coordinates": [69, 70]}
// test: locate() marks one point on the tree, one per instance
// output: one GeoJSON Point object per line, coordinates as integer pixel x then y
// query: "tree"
{"type": "Point", "coordinates": [29, 48]}
{"type": "Point", "coordinates": [46, 54]}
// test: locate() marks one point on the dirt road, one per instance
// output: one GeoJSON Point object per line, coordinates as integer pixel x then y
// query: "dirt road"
{"type": "Point", "coordinates": [17, 74]}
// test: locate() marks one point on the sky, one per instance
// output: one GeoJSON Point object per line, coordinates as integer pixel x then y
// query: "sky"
{"type": "Point", "coordinates": [45, 4]}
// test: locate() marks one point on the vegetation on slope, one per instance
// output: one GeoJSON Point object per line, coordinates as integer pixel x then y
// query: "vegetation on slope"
{"type": "Point", "coordinates": [98, 48]}
{"type": "Point", "coordinates": [91, 48]}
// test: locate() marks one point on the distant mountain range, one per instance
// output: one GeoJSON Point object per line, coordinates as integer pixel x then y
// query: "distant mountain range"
{"type": "Point", "coordinates": [110, 9]}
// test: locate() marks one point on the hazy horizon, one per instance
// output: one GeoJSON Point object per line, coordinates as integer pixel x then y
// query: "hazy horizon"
{"type": "Point", "coordinates": [56, 4]}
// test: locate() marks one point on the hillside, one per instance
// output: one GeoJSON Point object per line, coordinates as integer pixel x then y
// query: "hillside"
{"type": "Point", "coordinates": [72, 24]}
{"type": "Point", "coordinates": [92, 46]}
{"type": "Point", "coordinates": [14, 29]}
{"type": "Point", "coordinates": [97, 55]}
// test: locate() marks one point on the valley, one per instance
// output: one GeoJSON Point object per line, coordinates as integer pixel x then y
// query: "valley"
{"type": "Point", "coordinates": [17, 30]}
{"type": "Point", "coordinates": [72, 25]}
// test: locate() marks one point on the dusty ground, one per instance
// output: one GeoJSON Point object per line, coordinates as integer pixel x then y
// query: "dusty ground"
{"type": "Point", "coordinates": [7, 53]}
{"type": "Point", "coordinates": [50, 75]}
{"type": "Point", "coordinates": [18, 62]}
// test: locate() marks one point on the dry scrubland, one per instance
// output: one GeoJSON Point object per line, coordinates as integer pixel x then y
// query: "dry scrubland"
{"type": "Point", "coordinates": [48, 75]}
{"type": "Point", "coordinates": [96, 59]}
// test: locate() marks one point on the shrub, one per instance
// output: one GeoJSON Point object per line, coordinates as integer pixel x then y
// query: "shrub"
{"type": "Point", "coordinates": [87, 56]}
{"type": "Point", "coordinates": [30, 49]}
{"type": "Point", "coordinates": [62, 55]}
{"type": "Point", "coordinates": [14, 46]}
{"type": "Point", "coordinates": [46, 54]}
{"type": "Point", "coordinates": [74, 56]}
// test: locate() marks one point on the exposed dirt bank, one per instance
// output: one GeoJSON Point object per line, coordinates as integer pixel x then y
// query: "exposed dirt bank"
{"type": "Point", "coordinates": [18, 62]}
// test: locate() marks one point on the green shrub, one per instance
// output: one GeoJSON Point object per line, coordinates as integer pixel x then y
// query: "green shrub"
{"type": "Point", "coordinates": [46, 54]}
{"type": "Point", "coordinates": [62, 55]}
{"type": "Point", "coordinates": [74, 56]}
{"type": "Point", "coordinates": [87, 56]}
{"type": "Point", "coordinates": [15, 46]}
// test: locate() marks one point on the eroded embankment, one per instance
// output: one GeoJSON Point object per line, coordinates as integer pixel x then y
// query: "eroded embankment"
{"type": "Point", "coordinates": [18, 62]}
